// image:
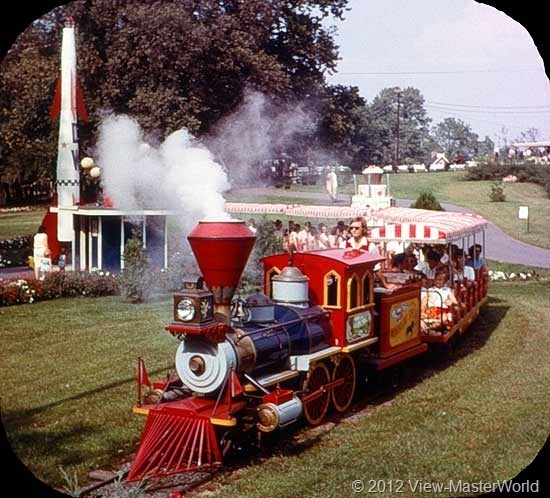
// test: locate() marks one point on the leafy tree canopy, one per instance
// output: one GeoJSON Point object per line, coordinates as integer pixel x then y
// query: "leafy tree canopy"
{"type": "Point", "coordinates": [397, 115]}
{"type": "Point", "coordinates": [169, 64]}
{"type": "Point", "coordinates": [455, 138]}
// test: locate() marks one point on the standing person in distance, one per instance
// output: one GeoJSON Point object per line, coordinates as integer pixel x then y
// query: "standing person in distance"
{"type": "Point", "coordinates": [332, 185]}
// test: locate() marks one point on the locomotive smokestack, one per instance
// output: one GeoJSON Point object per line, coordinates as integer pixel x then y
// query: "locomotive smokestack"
{"type": "Point", "coordinates": [222, 249]}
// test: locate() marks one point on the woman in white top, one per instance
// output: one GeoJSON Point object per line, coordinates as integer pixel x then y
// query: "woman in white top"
{"type": "Point", "coordinates": [358, 240]}
{"type": "Point", "coordinates": [40, 246]}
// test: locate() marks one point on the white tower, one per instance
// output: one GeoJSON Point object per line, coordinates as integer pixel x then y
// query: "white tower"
{"type": "Point", "coordinates": [67, 104]}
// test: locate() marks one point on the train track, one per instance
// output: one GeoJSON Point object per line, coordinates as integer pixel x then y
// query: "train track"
{"type": "Point", "coordinates": [112, 485]}
{"type": "Point", "coordinates": [109, 484]}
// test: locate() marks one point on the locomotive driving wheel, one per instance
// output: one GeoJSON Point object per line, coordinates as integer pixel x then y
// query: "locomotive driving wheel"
{"type": "Point", "coordinates": [317, 397]}
{"type": "Point", "coordinates": [342, 395]}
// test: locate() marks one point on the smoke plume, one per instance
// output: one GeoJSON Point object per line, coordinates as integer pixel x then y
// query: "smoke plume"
{"type": "Point", "coordinates": [259, 129]}
{"type": "Point", "coordinates": [179, 174]}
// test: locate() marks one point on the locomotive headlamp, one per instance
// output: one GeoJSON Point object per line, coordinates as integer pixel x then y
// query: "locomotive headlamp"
{"type": "Point", "coordinates": [194, 305]}
{"type": "Point", "coordinates": [185, 310]}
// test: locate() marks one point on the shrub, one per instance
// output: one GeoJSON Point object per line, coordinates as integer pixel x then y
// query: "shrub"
{"type": "Point", "coordinates": [426, 200]}
{"type": "Point", "coordinates": [497, 193]}
{"type": "Point", "coordinates": [135, 280]}
{"type": "Point", "coordinates": [525, 172]}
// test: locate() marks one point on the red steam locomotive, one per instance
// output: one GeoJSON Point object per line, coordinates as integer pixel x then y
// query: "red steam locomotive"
{"type": "Point", "coordinates": [291, 352]}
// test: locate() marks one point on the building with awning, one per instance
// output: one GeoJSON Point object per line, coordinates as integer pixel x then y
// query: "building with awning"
{"type": "Point", "coordinates": [100, 235]}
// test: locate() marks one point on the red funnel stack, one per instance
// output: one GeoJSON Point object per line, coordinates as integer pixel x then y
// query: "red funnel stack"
{"type": "Point", "coordinates": [222, 249]}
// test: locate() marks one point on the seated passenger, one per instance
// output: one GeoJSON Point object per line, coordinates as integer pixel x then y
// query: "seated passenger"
{"type": "Point", "coordinates": [431, 265]}
{"type": "Point", "coordinates": [460, 270]}
{"type": "Point", "coordinates": [405, 262]}
{"type": "Point", "coordinates": [474, 257]}
{"type": "Point", "coordinates": [398, 262]}
{"type": "Point", "coordinates": [437, 303]}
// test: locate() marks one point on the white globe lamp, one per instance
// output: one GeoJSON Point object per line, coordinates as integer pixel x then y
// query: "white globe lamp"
{"type": "Point", "coordinates": [87, 163]}
{"type": "Point", "coordinates": [95, 172]}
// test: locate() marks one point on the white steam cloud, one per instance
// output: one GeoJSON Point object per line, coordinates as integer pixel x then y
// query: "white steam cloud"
{"type": "Point", "coordinates": [179, 174]}
{"type": "Point", "coordinates": [182, 175]}
{"type": "Point", "coordinates": [259, 129]}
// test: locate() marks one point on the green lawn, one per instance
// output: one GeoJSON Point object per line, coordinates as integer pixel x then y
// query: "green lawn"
{"type": "Point", "coordinates": [68, 379]}
{"type": "Point", "coordinates": [477, 413]}
{"type": "Point", "coordinates": [21, 223]}
{"type": "Point", "coordinates": [450, 187]}
{"type": "Point", "coordinates": [68, 367]}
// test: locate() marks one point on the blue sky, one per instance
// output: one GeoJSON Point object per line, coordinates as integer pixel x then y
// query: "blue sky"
{"type": "Point", "coordinates": [469, 60]}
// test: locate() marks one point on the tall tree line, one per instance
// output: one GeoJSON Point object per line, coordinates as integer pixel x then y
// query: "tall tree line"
{"type": "Point", "coordinates": [190, 63]}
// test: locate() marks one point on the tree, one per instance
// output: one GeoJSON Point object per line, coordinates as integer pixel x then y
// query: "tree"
{"type": "Point", "coordinates": [169, 64]}
{"type": "Point", "coordinates": [398, 126]}
{"type": "Point", "coordinates": [486, 148]}
{"type": "Point", "coordinates": [529, 135]}
{"type": "Point", "coordinates": [343, 119]}
{"type": "Point", "coordinates": [455, 138]}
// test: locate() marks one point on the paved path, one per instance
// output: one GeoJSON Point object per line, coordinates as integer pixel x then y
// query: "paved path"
{"type": "Point", "coordinates": [499, 245]}
{"type": "Point", "coordinates": [16, 272]}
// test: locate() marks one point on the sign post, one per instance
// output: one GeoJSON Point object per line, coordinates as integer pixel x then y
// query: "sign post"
{"type": "Point", "coordinates": [523, 214]}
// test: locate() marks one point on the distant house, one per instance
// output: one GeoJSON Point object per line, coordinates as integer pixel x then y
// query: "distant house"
{"type": "Point", "coordinates": [440, 163]}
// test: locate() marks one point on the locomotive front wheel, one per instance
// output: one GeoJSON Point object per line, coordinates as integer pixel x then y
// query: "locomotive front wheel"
{"type": "Point", "coordinates": [317, 398]}
{"type": "Point", "coordinates": [342, 395]}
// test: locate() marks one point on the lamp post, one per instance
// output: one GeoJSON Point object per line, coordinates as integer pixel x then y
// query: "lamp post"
{"type": "Point", "coordinates": [88, 166]}
{"type": "Point", "coordinates": [397, 127]}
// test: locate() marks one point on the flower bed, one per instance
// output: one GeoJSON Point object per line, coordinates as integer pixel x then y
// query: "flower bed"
{"type": "Point", "coordinates": [58, 284]}
{"type": "Point", "coordinates": [19, 291]}
{"type": "Point", "coordinates": [15, 251]}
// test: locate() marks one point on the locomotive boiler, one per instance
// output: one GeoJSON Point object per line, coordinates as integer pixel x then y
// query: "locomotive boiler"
{"type": "Point", "coordinates": [286, 354]}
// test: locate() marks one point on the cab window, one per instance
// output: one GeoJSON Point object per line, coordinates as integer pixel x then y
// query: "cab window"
{"type": "Point", "coordinates": [353, 292]}
{"type": "Point", "coordinates": [366, 288]}
{"type": "Point", "coordinates": [332, 289]}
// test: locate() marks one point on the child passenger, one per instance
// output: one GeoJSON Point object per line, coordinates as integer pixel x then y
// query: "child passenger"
{"type": "Point", "coordinates": [437, 302]}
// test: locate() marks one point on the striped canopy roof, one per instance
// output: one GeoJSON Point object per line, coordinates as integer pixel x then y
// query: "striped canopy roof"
{"type": "Point", "coordinates": [422, 225]}
{"type": "Point", "coordinates": [313, 211]}
{"type": "Point", "coordinates": [414, 225]}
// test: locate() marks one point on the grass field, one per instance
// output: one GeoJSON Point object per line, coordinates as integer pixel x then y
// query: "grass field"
{"type": "Point", "coordinates": [21, 223]}
{"type": "Point", "coordinates": [450, 187]}
{"type": "Point", "coordinates": [68, 379]}
{"type": "Point", "coordinates": [68, 371]}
